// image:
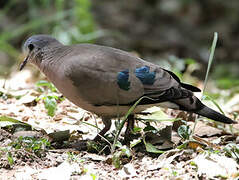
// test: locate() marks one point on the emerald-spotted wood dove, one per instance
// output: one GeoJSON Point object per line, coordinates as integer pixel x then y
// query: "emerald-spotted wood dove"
{"type": "Point", "coordinates": [108, 81]}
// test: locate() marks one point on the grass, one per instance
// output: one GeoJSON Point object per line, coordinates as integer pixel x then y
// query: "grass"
{"type": "Point", "coordinates": [212, 50]}
{"type": "Point", "coordinates": [123, 122]}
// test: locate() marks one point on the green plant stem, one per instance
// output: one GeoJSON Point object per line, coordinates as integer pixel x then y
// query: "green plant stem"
{"type": "Point", "coordinates": [123, 122]}
{"type": "Point", "coordinates": [212, 50]}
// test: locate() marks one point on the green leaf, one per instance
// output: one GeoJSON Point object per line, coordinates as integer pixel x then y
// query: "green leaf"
{"type": "Point", "coordinates": [43, 83]}
{"type": "Point", "coordinates": [10, 158]}
{"type": "Point", "coordinates": [134, 143]}
{"type": "Point", "coordinates": [7, 121]}
{"type": "Point", "coordinates": [149, 128]}
{"type": "Point", "coordinates": [136, 129]}
{"type": "Point", "coordinates": [151, 148]}
{"type": "Point", "coordinates": [50, 105]}
{"type": "Point", "coordinates": [126, 151]}
{"type": "Point", "coordinates": [116, 160]}
{"type": "Point", "coordinates": [119, 155]}
{"type": "Point", "coordinates": [174, 173]}
{"type": "Point", "coordinates": [31, 144]}
{"type": "Point", "coordinates": [184, 131]}
{"type": "Point", "coordinates": [183, 146]}
{"type": "Point", "coordinates": [158, 116]}
{"type": "Point", "coordinates": [93, 176]}
{"type": "Point", "coordinates": [232, 150]}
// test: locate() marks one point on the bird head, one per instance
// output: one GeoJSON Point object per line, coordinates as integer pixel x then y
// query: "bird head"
{"type": "Point", "coordinates": [35, 46]}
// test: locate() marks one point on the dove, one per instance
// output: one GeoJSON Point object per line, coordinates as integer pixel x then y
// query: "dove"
{"type": "Point", "coordinates": [108, 81]}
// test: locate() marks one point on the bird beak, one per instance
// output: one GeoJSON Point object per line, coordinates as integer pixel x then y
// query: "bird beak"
{"type": "Point", "coordinates": [24, 62]}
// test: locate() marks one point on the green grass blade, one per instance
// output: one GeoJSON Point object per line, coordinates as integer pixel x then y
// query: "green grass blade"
{"type": "Point", "coordinates": [212, 50]}
{"type": "Point", "coordinates": [206, 97]}
{"type": "Point", "coordinates": [124, 120]}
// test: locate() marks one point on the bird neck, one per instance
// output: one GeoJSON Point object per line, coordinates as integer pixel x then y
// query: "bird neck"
{"type": "Point", "coordinates": [50, 57]}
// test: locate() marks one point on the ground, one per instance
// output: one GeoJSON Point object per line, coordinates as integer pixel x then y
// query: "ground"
{"type": "Point", "coordinates": [210, 152]}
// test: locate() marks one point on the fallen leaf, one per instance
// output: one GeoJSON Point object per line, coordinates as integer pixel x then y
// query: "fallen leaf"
{"type": "Point", "coordinates": [202, 130]}
{"type": "Point", "coordinates": [215, 165]}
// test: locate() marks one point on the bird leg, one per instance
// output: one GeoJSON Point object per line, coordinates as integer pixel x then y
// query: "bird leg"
{"type": "Point", "coordinates": [128, 133]}
{"type": "Point", "coordinates": [107, 123]}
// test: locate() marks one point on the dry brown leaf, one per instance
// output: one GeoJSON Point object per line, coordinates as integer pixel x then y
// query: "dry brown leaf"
{"type": "Point", "coordinates": [202, 130]}
{"type": "Point", "coordinates": [203, 141]}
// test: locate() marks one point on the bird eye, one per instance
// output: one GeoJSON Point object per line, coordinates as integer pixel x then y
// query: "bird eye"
{"type": "Point", "coordinates": [30, 47]}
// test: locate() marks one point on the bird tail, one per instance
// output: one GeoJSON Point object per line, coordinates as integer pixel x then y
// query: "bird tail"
{"type": "Point", "coordinates": [214, 115]}
{"type": "Point", "coordinates": [194, 105]}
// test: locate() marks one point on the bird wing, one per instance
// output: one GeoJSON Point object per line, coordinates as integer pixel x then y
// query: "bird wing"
{"type": "Point", "coordinates": [108, 76]}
